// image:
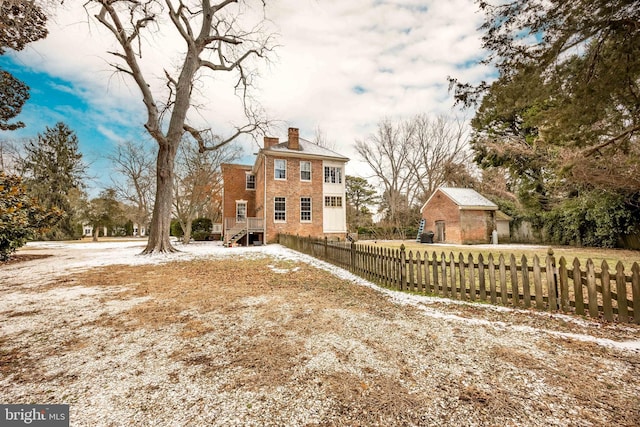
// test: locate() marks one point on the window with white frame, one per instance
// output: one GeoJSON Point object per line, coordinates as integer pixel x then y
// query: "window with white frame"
{"type": "Point", "coordinates": [280, 209]}
{"type": "Point", "coordinates": [241, 211]}
{"type": "Point", "coordinates": [333, 175]}
{"type": "Point", "coordinates": [280, 169]}
{"type": "Point", "coordinates": [250, 181]}
{"type": "Point", "coordinates": [305, 171]}
{"type": "Point", "coordinates": [333, 201]}
{"type": "Point", "coordinates": [305, 209]}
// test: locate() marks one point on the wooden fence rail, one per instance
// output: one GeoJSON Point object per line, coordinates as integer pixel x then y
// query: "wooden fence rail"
{"type": "Point", "coordinates": [551, 285]}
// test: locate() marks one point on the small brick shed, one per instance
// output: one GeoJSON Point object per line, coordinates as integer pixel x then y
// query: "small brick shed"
{"type": "Point", "coordinates": [463, 216]}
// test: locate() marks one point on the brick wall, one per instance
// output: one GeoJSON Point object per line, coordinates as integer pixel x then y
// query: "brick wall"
{"type": "Point", "coordinates": [234, 177]}
{"type": "Point", "coordinates": [293, 189]}
{"type": "Point", "coordinates": [461, 226]}
{"type": "Point", "coordinates": [442, 208]}
{"type": "Point", "coordinates": [476, 226]}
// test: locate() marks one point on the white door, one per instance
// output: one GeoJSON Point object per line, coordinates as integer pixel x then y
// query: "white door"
{"type": "Point", "coordinates": [241, 211]}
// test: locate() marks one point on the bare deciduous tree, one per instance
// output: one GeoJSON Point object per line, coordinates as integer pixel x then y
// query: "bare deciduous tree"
{"type": "Point", "coordinates": [411, 159]}
{"type": "Point", "coordinates": [387, 154]}
{"type": "Point", "coordinates": [213, 42]}
{"type": "Point", "coordinates": [134, 162]}
{"type": "Point", "coordinates": [320, 138]}
{"type": "Point", "coordinates": [198, 181]}
{"type": "Point", "coordinates": [10, 156]}
{"type": "Point", "coordinates": [438, 147]}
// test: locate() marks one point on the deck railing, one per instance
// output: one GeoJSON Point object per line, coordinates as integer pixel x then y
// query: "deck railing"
{"type": "Point", "coordinates": [250, 224]}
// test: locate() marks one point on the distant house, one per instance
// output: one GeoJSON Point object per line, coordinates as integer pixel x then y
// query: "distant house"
{"type": "Point", "coordinates": [463, 216]}
{"type": "Point", "coordinates": [87, 230]}
{"type": "Point", "coordinates": [294, 187]}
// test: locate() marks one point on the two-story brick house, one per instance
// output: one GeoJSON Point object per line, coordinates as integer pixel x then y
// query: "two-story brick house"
{"type": "Point", "coordinates": [294, 187]}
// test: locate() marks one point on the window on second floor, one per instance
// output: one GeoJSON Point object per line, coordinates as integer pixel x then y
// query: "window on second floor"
{"type": "Point", "coordinates": [333, 175]}
{"type": "Point", "coordinates": [280, 209]}
{"type": "Point", "coordinates": [251, 181]}
{"type": "Point", "coordinates": [305, 171]}
{"type": "Point", "coordinates": [280, 169]}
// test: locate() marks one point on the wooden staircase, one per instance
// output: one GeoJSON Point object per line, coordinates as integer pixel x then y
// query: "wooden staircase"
{"type": "Point", "coordinates": [235, 235]}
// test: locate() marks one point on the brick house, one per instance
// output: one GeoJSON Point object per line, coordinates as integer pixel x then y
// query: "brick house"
{"type": "Point", "coordinates": [463, 216]}
{"type": "Point", "coordinates": [294, 187]}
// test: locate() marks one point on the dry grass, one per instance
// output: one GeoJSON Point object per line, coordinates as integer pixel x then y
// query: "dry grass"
{"type": "Point", "coordinates": [270, 345]}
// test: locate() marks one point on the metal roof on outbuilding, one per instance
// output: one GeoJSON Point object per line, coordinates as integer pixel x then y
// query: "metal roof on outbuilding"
{"type": "Point", "coordinates": [466, 198]}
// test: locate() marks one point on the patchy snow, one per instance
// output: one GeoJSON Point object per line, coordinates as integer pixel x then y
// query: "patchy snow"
{"type": "Point", "coordinates": [74, 257]}
{"type": "Point", "coordinates": [133, 375]}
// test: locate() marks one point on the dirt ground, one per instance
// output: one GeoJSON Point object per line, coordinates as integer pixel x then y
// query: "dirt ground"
{"type": "Point", "coordinates": [269, 337]}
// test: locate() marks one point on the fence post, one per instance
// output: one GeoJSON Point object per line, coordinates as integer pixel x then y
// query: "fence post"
{"type": "Point", "coordinates": [326, 256]}
{"type": "Point", "coordinates": [607, 308]}
{"type": "Point", "coordinates": [552, 280]}
{"type": "Point", "coordinates": [621, 290]}
{"type": "Point", "coordinates": [403, 272]}
{"type": "Point", "coordinates": [635, 289]}
{"type": "Point", "coordinates": [353, 256]}
{"type": "Point", "coordinates": [564, 285]}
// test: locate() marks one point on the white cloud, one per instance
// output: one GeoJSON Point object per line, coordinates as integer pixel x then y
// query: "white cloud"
{"type": "Point", "coordinates": [397, 54]}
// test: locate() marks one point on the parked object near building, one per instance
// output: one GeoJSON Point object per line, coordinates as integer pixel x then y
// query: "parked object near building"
{"type": "Point", "coordinates": [463, 216]}
{"type": "Point", "coordinates": [294, 187]}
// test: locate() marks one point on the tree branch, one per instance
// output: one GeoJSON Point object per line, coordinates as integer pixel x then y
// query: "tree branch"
{"type": "Point", "coordinates": [117, 28]}
{"type": "Point", "coordinates": [613, 140]}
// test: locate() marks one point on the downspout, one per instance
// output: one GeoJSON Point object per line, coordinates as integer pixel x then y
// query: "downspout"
{"type": "Point", "coordinates": [264, 203]}
{"type": "Point", "coordinates": [224, 222]}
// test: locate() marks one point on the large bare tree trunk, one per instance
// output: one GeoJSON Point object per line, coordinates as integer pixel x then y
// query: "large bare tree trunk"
{"type": "Point", "coordinates": [159, 236]}
{"type": "Point", "coordinates": [213, 42]}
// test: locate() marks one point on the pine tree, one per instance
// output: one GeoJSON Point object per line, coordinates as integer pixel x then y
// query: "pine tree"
{"type": "Point", "coordinates": [54, 173]}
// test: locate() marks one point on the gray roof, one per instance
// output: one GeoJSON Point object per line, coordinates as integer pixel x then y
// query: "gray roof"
{"type": "Point", "coordinates": [307, 148]}
{"type": "Point", "coordinates": [468, 198]}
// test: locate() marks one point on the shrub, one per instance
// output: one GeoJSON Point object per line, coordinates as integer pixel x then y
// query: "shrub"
{"type": "Point", "coordinates": [20, 216]}
{"type": "Point", "coordinates": [597, 219]}
{"type": "Point", "coordinates": [176, 228]}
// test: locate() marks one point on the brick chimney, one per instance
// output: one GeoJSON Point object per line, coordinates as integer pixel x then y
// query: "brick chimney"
{"type": "Point", "coordinates": [270, 142]}
{"type": "Point", "coordinates": [294, 141]}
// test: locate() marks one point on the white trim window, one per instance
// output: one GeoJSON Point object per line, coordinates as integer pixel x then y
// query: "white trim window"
{"type": "Point", "coordinates": [305, 209]}
{"type": "Point", "coordinates": [250, 181]}
{"type": "Point", "coordinates": [280, 169]}
{"type": "Point", "coordinates": [280, 209]}
{"type": "Point", "coordinates": [305, 170]}
{"type": "Point", "coordinates": [241, 211]}
{"type": "Point", "coordinates": [333, 175]}
{"type": "Point", "coordinates": [333, 201]}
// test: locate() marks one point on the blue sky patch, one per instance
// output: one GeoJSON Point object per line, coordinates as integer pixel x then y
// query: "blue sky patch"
{"type": "Point", "coordinates": [357, 89]}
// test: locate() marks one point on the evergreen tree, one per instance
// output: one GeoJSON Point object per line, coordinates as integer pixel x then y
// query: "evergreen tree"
{"type": "Point", "coordinates": [21, 22]}
{"type": "Point", "coordinates": [360, 197]}
{"type": "Point", "coordinates": [104, 211]}
{"type": "Point", "coordinates": [563, 116]}
{"type": "Point", "coordinates": [54, 173]}
{"type": "Point", "coordinates": [21, 217]}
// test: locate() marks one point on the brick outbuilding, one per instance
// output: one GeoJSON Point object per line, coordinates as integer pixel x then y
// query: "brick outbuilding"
{"type": "Point", "coordinates": [294, 187]}
{"type": "Point", "coordinates": [462, 216]}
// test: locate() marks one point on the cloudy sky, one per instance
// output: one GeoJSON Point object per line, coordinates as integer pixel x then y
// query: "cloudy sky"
{"type": "Point", "coordinates": [340, 66]}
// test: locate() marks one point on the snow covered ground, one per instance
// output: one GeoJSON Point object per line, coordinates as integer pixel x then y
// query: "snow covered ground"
{"type": "Point", "coordinates": [450, 362]}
